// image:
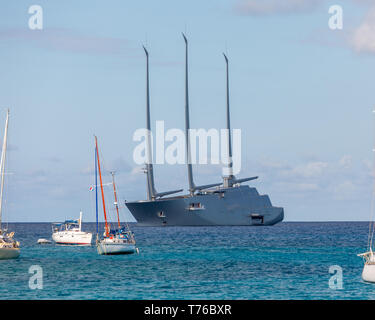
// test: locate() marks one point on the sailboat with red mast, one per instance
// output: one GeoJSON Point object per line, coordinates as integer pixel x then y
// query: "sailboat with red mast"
{"type": "Point", "coordinates": [118, 240]}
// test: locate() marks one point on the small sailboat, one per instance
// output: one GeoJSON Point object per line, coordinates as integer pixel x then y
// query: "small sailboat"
{"type": "Point", "coordinates": [368, 273]}
{"type": "Point", "coordinates": [70, 233]}
{"type": "Point", "coordinates": [9, 248]}
{"type": "Point", "coordinates": [119, 240]}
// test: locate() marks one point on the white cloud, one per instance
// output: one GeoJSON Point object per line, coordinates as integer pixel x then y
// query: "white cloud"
{"type": "Point", "coordinates": [307, 186]}
{"type": "Point", "coordinates": [360, 38]}
{"type": "Point", "coordinates": [268, 7]}
{"type": "Point", "coordinates": [68, 40]}
{"type": "Point", "coordinates": [267, 163]}
{"type": "Point", "coordinates": [363, 38]}
{"type": "Point", "coordinates": [308, 170]}
{"type": "Point", "coordinates": [342, 181]}
{"type": "Point", "coordinates": [297, 187]}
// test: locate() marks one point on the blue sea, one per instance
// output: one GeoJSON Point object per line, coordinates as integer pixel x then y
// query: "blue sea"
{"type": "Point", "coordinates": [288, 261]}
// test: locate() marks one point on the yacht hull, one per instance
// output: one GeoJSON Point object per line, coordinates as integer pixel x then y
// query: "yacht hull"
{"type": "Point", "coordinates": [110, 248]}
{"type": "Point", "coordinates": [72, 238]}
{"type": "Point", "coordinates": [368, 273]}
{"type": "Point", "coordinates": [235, 206]}
{"type": "Point", "coordinates": [9, 253]}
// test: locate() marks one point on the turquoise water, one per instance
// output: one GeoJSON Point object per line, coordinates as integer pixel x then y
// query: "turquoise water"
{"type": "Point", "coordinates": [286, 261]}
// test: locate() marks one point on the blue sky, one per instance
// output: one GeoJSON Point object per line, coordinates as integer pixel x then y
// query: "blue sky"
{"type": "Point", "coordinates": [301, 93]}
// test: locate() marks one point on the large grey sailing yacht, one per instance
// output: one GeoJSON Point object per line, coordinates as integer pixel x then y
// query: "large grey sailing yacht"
{"type": "Point", "coordinates": [227, 203]}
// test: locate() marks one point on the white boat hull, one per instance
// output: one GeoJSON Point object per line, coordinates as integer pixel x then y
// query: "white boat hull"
{"type": "Point", "coordinates": [72, 238]}
{"type": "Point", "coordinates": [368, 273]}
{"type": "Point", "coordinates": [9, 253]}
{"type": "Point", "coordinates": [112, 248]}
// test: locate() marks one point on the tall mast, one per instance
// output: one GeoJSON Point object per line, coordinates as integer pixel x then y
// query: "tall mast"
{"type": "Point", "coordinates": [230, 163]}
{"type": "Point", "coordinates": [230, 180]}
{"type": "Point", "coordinates": [101, 188]}
{"type": "Point", "coordinates": [2, 165]}
{"type": "Point", "coordinates": [96, 192]}
{"type": "Point", "coordinates": [187, 122]}
{"type": "Point", "coordinates": [115, 193]}
{"type": "Point", "coordinates": [192, 186]}
{"type": "Point", "coordinates": [151, 192]}
{"type": "Point", "coordinates": [372, 223]}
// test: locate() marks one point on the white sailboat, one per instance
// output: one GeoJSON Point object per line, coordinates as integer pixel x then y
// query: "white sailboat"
{"type": "Point", "coordinates": [70, 233]}
{"type": "Point", "coordinates": [119, 240]}
{"type": "Point", "coordinates": [368, 273]}
{"type": "Point", "coordinates": [9, 248]}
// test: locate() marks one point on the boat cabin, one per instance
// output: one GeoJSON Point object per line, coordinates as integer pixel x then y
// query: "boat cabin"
{"type": "Point", "coordinates": [68, 225]}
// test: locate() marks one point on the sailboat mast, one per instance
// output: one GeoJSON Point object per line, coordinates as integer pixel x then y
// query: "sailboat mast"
{"type": "Point", "coordinates": [372, 222]}
{"type": "Point", "coordinates": [96, 193]}
{"type": "Point", "coordinates": [116, 203]}
{"type": "Point", "coordinates": [2, 165]}
{"type": "Point", "coordinates": [187, 122]}
{"type": "Point", "coordinates": [192, 186]}
{"type": "Point", "coordinates": [230, 164]}
{"type": "Point", "coordinates": [151, 193]}
{"type": "Point", "coordinates": [230, 180]}
{"type": "Point", "coordinates": [101, 188]}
